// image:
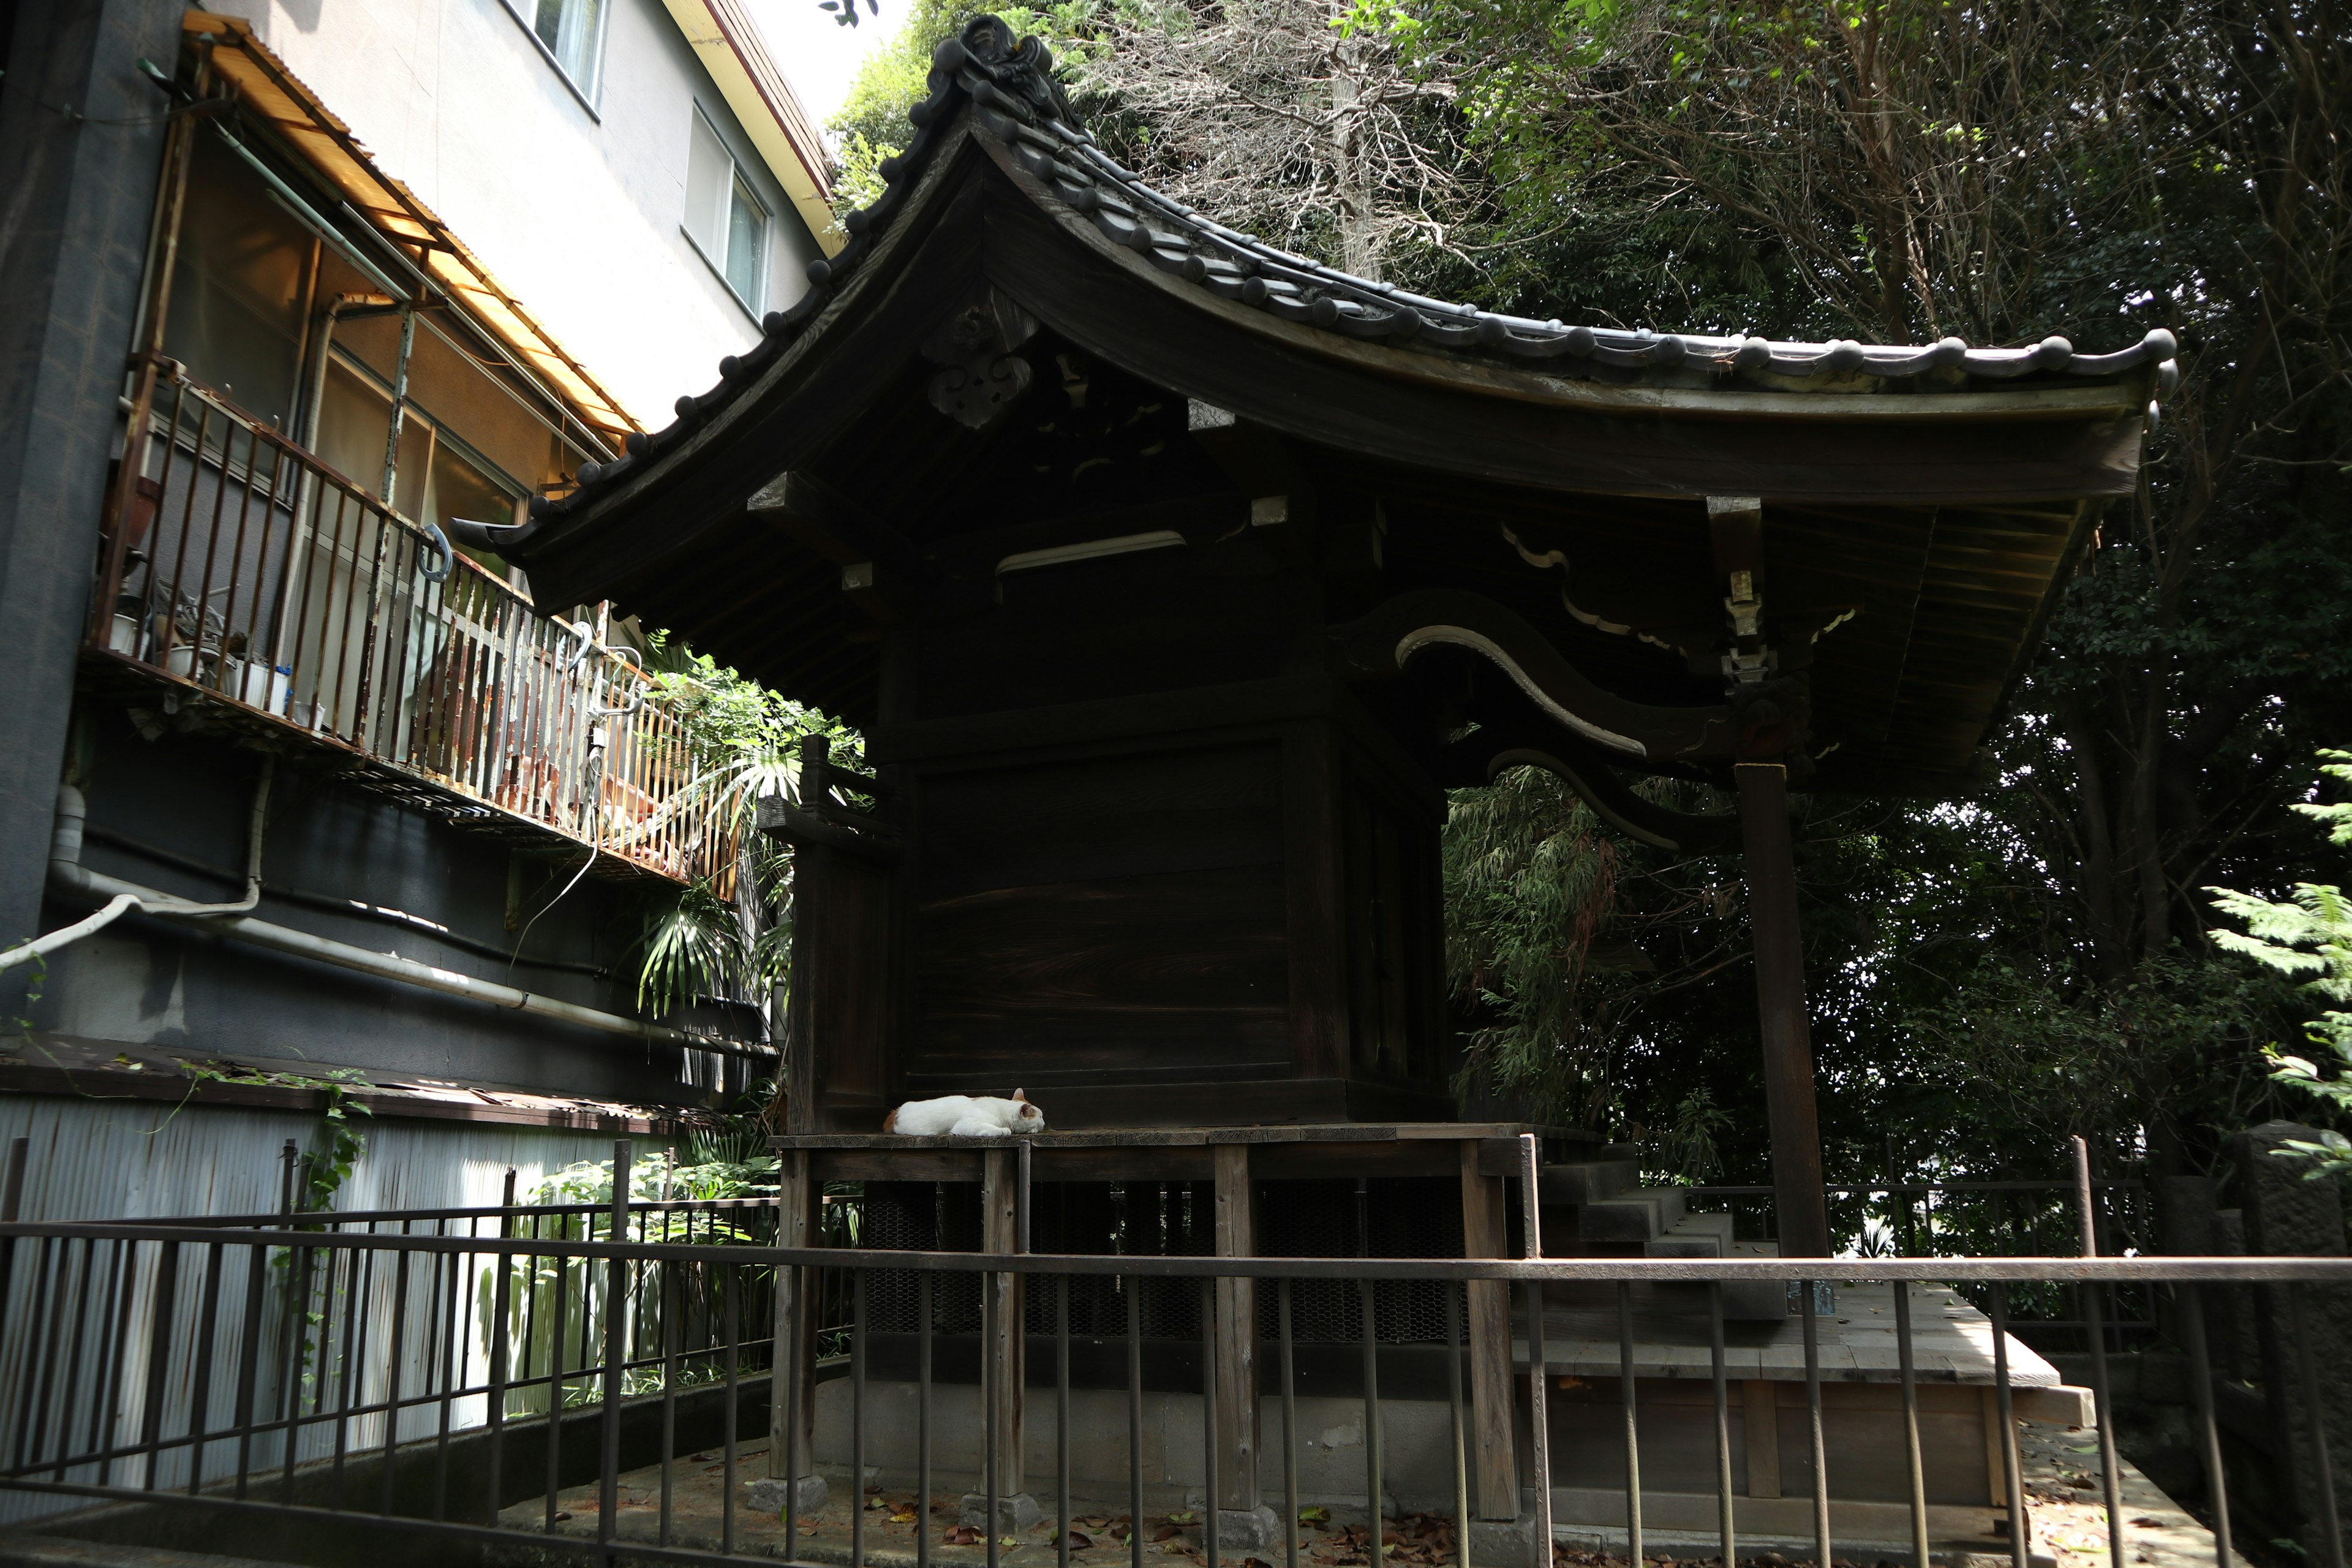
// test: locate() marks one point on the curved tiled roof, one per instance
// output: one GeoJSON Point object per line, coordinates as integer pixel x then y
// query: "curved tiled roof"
{"type": "Point", "coordinates": [1015, 98]}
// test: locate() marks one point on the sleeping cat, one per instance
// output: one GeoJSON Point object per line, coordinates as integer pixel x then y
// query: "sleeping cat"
{"type": "Point", "coordinates": [966, 1116]}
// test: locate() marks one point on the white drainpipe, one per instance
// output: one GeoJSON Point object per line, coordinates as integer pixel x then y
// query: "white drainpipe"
{"type": "Point", "coordinates": [64, 848]}
{"type": "Point", "coordinates": [68, 876]}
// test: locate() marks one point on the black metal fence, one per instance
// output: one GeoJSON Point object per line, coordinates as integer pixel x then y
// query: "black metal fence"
{"type": "Point", "coordinates": [1993, 1219]}
{"type": "Point", "coordinates": [494, 1377]}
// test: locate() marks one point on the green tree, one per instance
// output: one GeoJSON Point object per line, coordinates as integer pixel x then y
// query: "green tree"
{"type": "Point", "coordinates": [872, 125]}
{"type": "Point", "coordinates": [2309, 934]}
{"type": "Point", "coordinates": [1898, 170]}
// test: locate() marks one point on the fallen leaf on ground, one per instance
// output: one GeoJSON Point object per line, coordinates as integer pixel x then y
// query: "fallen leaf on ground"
{"type": "Point", "coordinates": [1080, 1539]}
{"type": "Point", "coordinates": [904, 1516]}
{"type": "Point", "coordinates": [1316, 1515]}
{"type": "Point", "coordinates": [1166, 1533]}
{"type": "Point", "coordinates": [1187, 1517]}
{"type": "Point", "coordinates": [961, 1535]}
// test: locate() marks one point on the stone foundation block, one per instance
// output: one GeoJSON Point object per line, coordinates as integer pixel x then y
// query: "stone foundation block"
{"type": "Point", "coordinates": [1014, 1514]}
{"type": "Point", "coordinates": [767, 1494]}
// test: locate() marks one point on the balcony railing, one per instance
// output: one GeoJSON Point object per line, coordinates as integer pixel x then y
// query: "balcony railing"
{"type": "Point", "coordinates": [265, 585]}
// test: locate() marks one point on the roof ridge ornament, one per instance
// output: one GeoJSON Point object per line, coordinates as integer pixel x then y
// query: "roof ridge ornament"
{"type": "Point", "coordinates": [1021, 69]}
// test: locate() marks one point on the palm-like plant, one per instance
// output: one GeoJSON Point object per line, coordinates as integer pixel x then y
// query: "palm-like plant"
{"type": "Point", "coordinates": [728, 935]}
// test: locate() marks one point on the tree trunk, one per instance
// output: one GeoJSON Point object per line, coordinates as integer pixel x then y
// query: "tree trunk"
{"type": "Point", "coordinates": [1359, 246]}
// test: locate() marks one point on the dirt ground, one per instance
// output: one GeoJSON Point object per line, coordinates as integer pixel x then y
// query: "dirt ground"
{"type": "Point", "coordinates": [2062, 1484]}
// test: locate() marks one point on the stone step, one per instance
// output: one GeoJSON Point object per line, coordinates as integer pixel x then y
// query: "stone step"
{"type": "Point", "coordinates": [1755, 1301]}
{"type": "Point", "coordinates": [1694, 1236]}
{"type": "Point", "coordinates": [1586, 1181]}
{"type": "Point", "coordinates": [1632, 1216]}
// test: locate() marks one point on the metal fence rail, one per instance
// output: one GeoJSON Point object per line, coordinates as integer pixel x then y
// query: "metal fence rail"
{"type": "Point", "coordinates": [1996, 1218]}
{"type": "Point", "coordinates": [240, 566]}
{"type": "Point", "coordinates": [433, 1373]}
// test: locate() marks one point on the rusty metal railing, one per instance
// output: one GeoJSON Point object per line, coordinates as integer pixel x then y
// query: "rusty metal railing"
{"type": "Point", "coordinates": [450, 1376]}
{"type": "Point", "coordinates": [240, 567]}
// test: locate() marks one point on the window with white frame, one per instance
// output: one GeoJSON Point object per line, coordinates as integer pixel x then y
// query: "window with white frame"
{"type": "Point", "coordinates": [574, 33]}
{"type": "Point", "coordinates": [727, 222]}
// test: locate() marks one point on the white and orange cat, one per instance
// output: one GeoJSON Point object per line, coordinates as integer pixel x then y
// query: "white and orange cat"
{"type": "Point", "coordinates": [966, 1116]}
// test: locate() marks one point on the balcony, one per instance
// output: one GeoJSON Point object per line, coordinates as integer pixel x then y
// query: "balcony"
{"type": "Point", "coordinates": [244, 579]}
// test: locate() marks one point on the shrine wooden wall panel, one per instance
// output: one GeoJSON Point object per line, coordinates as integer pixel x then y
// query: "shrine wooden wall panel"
{"type": "Point", "coordinates": [1117, 919]}
{"type": "Point", "coordinates": [1395, 930]}
{"type": "Point", "coordinates": [842, 966]}
{"type": "Point", "coordinates": [1178, 976]}
{"type": "Point", "coordinates": [1115, 627]}
{"type": "Point", "coordinates": [1141, 810]}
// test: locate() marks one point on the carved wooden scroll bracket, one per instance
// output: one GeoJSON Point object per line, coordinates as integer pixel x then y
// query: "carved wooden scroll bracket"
{"type": "Point", "coordinates": [985, 377]}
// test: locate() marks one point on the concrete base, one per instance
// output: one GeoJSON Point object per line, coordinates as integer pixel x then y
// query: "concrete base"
{"type": "Point", "coordinates": [767, 1494]}
{"type": "Point", "coordinates": [1416, 1437]}
{"type": "Point", "coordinates": [1014, 1514]}
{"type": "Point", "coordinates": [1504, 1542]}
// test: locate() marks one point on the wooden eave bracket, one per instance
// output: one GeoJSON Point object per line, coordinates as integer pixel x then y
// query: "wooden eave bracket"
{"type": "Point", "coordinates": [830, 827]}
{"type": "Point", "coordinates": [870, 553]}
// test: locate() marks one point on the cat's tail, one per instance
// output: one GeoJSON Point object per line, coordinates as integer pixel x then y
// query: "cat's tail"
{"type": "Point", "coordinates": [890, 1122]}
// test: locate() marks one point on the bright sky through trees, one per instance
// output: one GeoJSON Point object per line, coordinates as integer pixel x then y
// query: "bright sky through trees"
{"type": "Point", "coordinates": [819, 55]}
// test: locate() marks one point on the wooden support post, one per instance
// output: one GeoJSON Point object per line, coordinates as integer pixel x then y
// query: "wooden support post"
{"type": "Point", "coordinates": [1762, 1418]}
{"type": "Point", "coordinates": [1996, 1463]}
{"type": "Point", "coordinates": [797, 1199]}
{"type": "Point", "coordinates": [1492, 1440]}
{"type": "Point", "coordinates": [1000, 1221]}
{"type": "Point", "coordinates": [1798, 1202]}
{"type": "Point", "coordinates": [1236, 1331]}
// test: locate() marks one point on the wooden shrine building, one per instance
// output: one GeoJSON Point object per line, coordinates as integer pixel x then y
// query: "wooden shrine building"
{"type": "Point", "coordinates": [1172, 579]}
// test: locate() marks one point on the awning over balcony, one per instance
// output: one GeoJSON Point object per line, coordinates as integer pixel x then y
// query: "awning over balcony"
{"type": "Point", "coordinates": [270, 92]}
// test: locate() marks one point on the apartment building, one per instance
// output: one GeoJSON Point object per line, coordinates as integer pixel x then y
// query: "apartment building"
{"type": "Point", "coordinates": [296, 289]}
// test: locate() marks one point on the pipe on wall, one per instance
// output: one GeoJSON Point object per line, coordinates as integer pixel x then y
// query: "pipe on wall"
{"type": "Point", "coordinates": [65, 844]}
{"type": "Point", "coordinates": [70, 879]}
{"type": "Point", "coordinates": [352, 909]}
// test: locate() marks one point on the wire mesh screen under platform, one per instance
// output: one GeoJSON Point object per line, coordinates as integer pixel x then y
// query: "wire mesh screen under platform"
{"type": "Point", "coordinates": [1381, 1217]}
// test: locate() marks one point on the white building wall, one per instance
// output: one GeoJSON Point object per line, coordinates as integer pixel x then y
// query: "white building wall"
{"type": "Point", "coordinates": [574, 203]}
{"type": "Point", "coordinates": [100, 1158]}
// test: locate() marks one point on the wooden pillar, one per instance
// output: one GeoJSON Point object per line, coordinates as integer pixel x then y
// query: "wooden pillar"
{"type": "Point", "coordinates": [1237, 1429]}
{"type": "Point", "coordinates": [1492, 1443]}
{"type": "Point", "coordinates": [1797, 1198]}
{"type": "Point", "coordinates": [797, 1196]}
{"type": "Point", "coordinates": [1008, 1362]}
{"type": "Point", "coordinates": [1761, 1415]}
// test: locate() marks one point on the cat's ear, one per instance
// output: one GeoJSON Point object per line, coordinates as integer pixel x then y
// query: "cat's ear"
{"type": "Point", "coordinates": [1021, 1097]}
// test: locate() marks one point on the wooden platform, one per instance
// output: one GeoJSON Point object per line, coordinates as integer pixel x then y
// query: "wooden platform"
{"type": "Point", "coordinates": [1300, 1153]}
{"type": "Point", "coordinates": [1484, 1158]}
